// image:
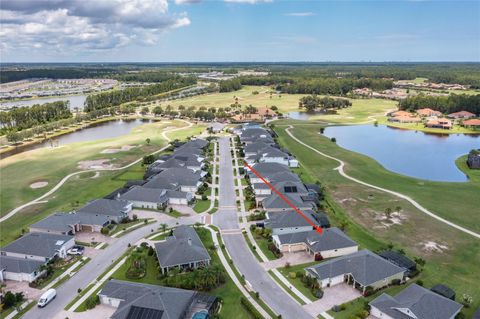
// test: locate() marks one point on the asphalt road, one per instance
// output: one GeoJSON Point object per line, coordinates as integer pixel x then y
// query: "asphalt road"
{"type": "Point", "coordinates": [247, 264]}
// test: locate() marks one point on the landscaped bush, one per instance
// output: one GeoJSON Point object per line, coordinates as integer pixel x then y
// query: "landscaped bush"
{"type": "Point", "coordinates": [104, 231]}
{"type": "Point", "coordinates": [250, 308]}
{"type": "Point", "coordinates": [292, 275]}
{"type": "Point", "coordinates": [138, 267]}
{"type": "Point", "coordinates": [275, 250]}
{"type": "Point", "coordinates": [92, 302]}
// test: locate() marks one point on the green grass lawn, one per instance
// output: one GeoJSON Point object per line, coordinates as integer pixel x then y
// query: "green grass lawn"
{"type": "Point", "coordinates": [296, 282]}
{"type": "Point", "coordinates": [360, 206]}
{"type": "Point", "coordinates": [230, 294]}
{"type": "Point", "coordinates": [201, 206]}
{"type": "Point", "coordinates": [17, 172]}
{"type": "Point", "coordinates": [262, 243]}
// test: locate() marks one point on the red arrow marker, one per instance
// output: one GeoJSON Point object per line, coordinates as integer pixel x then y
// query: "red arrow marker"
{"type": "Point", "coordinates": [317, 228]}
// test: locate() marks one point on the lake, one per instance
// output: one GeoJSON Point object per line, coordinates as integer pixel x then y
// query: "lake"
{"type": "Point", "coordinates": [75, 101]}
{"type": "Point", "coordinates": [416, 154]}
{"type": "Point", "coordinates": [91, 133]}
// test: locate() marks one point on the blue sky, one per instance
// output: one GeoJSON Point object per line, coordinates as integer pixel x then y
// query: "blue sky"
{"type": "Point", "coordinates": [247, 30]}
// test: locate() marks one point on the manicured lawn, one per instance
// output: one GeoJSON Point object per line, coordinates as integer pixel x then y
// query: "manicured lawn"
{"type": "Point", "coordinates": [230, 294]}
{"type": "Point", "coordinates": [201, 205]}
{"type": "Point", "coordinates": [124, 226]}
{"type": "Point", "coordinates": [17, 173]}
{"type": "Point", "coordinates": [262, 243]}
{"type": "Point", "coordinates": [296, 282]}
{"type": "Point", "coordinates": [359, 206]}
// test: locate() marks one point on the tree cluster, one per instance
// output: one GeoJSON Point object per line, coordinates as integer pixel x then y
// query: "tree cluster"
{"type": "Point", "coordinates": [230, 85]}
{"type": "Point", "coordinates": [20, 118]}
{"type": "Point", "coordinates": [117, 97]}
{"type": "Point", "coordinates": [444, 104]}
{"type": "Point", "coordinates": [313, 102]}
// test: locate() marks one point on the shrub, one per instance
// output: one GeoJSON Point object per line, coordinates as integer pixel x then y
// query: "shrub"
{"type": "Point", "coordinates": [299, 274]}
{"type": "Point", "coordinates": [9, 300]}
{"type": "Point", "coordinates": [396, 282]}
{"type": "Point", "coordinates": [104, 230]}
{"type": "Point", "coordinates": [250, 308]}
{"type": "Point", "coordinates": [204, 197]}
{"type": "Point", "coordinates": [292, 275]}
{"type": "Point", "coordinates": [92, 302]}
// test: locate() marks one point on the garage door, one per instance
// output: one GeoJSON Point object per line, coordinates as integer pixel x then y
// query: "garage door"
{"type": "Point", "coordinates": [336, 280]}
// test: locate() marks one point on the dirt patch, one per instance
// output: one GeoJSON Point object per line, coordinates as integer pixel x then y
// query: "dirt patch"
{"type": "Point", "coordinates": [96, 164]}
{"type": "Point", "coordinates": [431, 246]}
{"type": "Point", "coordinates": [124, 148]}
{"type": "Point", "coordinates": [39, 184]}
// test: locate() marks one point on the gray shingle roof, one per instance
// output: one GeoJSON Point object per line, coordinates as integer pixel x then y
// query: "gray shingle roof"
{"type": "Point", "coordinates": [423, 303]}
{"type": "Point", "coordinates": [19, 265]}
{"type": "Point", "coordinates": [174, 302]}
{"type": "Point", "coordinates": [174, 178]}
{"type": "Point", "coordinates": [330, 238]}
{"type": "Point", "coordinates": [57, 222]}
{"type": "Point", "coordinates": [37, 244]}
{"type": "Point", "coordinates": [63, 222]}
{"type": "Point", "coordinates": [104, 206]}
{"type": "Point", "coordinates": [255, 147]}
{"type": "Point", "coordinates": [274, 201]}
{"type": "Point", "coordinates": [365, 266]}
{"type": "Point", "coordinates": [182, 248]}
{"type": "Point", "coordinates": [291, 218]}
{"type": "Point", "coordinates": [146, 194]}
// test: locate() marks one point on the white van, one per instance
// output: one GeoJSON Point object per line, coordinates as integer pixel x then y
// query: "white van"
{"type": "Point", "coordinates": [48, 296]}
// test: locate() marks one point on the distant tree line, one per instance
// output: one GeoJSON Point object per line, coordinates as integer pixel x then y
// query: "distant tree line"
{"type": "Point", "coordinates": [117, 97]}
{"type": "Point", "coordinates": [313, 102]}
{"type": "Point", "coordinates": [147, 76]}
{"type": "Point", "coordinates": [54, 73]}
{"type": "Point", "coordinates": [230, 85]}
{"type": "Point", "coordinates": [20, 118]}
{"type": "Point", "coordinates": [444, 104]}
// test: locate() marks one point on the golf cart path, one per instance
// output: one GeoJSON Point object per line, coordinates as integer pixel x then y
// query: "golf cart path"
{"type": "Point", "coordinates": [63, 180]}
{"type": "Point", "coordinates": [400, 195]}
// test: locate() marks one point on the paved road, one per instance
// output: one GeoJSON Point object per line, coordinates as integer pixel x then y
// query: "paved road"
{"type": "Point", "coordinates": [247, 264]}
{"type": "Point", "coordinates": [340, 169]}
{"type": "Point", "coordinates": [90, 272]}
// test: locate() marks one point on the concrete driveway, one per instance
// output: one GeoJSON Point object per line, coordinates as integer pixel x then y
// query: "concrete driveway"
{"type": "Point", "coordinates": [332, 296]}
{"type": "Point", "coordinates": [100, 311]}
{"type": "Point", "coordinates": [296, 258]}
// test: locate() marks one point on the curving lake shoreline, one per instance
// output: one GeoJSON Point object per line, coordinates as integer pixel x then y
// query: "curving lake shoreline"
{"type": "Point", "coordinates": [416, 154]}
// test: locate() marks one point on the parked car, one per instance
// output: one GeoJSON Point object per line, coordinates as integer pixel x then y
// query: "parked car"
{"type": "Point", "coordinates": [48, 296]}
{"type": "Point", "coordinates": [76, 250]}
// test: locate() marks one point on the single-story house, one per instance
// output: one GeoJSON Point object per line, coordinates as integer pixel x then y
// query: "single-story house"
{"type": "Point", "coordinates": [442, 123]}
{"type": "Point", "coordinates": [19, 269]}
{"type": "Point", "coordinates": [473, 123]}
{"type": "Point", "coordinates": [461, 115]}
{"type": "Point", "coordinates": [428, 112]}
{"type": "Point", "coordinates": [400, 260]}
{"type": "Point", "coordinates": [332, 242]}
{"type": "Point", "coordinates": [71, 223]}
{"type": "Point", "coordinates": [414, 302]}
{"type": "Point", "coordinates": [39, 246]}
{"type": "Point", "coordinates": [362, 269]}
{"type": "Point", "coordinates": [400, 113]}
{"type": "Point", "coordinates": [180, 179]}
{"type": "Point", "coordinates": [275, 203]}
{"type": "Point", "coordinates": [292, 222]}
{"type": "Point", "coordinates": [113, 209]}
{"type": "Point", "coordinates": [183, 250]}
{"type": "Point", "coordinates": [156, 198]}
{"type": "Point", "coordinates": [136, 300]}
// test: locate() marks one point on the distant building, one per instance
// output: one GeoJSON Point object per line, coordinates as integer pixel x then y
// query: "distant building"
{"type": "Point", "coordinates": [427, 112]}
{"type": "Point", "coordinates": [442, 123]}
{"type": "Point", "coordinates": [461, 115]}
{"type": "Point", "coordinates": [472, 123]}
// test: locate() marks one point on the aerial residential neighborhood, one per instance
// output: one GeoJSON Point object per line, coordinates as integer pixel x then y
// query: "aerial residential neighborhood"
{"type": "Point", "coordinates": [239, 159]}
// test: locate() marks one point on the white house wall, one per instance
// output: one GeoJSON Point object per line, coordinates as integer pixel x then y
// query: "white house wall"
{"type": "Point", "coordinates": [378, 314]}
{"type": "Point", "coordinates": [338, 252]}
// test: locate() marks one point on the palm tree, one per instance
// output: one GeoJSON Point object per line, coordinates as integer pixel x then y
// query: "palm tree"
{"type": "Point", "coordinates": [164, 227]}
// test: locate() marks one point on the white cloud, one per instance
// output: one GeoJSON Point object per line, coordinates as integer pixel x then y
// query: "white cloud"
{"type": "Point", "coordinates": [300, 14]}
{"type": "Point", "coordinates": [179, 2]}
{"type": "Point", "coordinates": [249, 1]}
{"type": "Point", "coordinates": [70, 25]}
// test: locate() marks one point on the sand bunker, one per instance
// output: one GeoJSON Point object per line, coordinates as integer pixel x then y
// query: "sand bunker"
{"type": "Point", "coordinates": [39, 184]}
{"type": "Point", "coordinates": [432, 246]}
{"type": "Point", "coordinates": [116, 150]}
{"type": "Point", "coordinates": [95, 164]}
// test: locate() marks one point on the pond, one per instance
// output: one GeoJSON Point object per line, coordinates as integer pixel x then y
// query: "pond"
{"type": "Point", "coordinates": [303, 116]}
{"type": "Point", "coordinates": [91, 133]}
{"type": "Point", "coordinates": [75, 101]}
{"type": "Point", "coordinates": [416, 154]}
